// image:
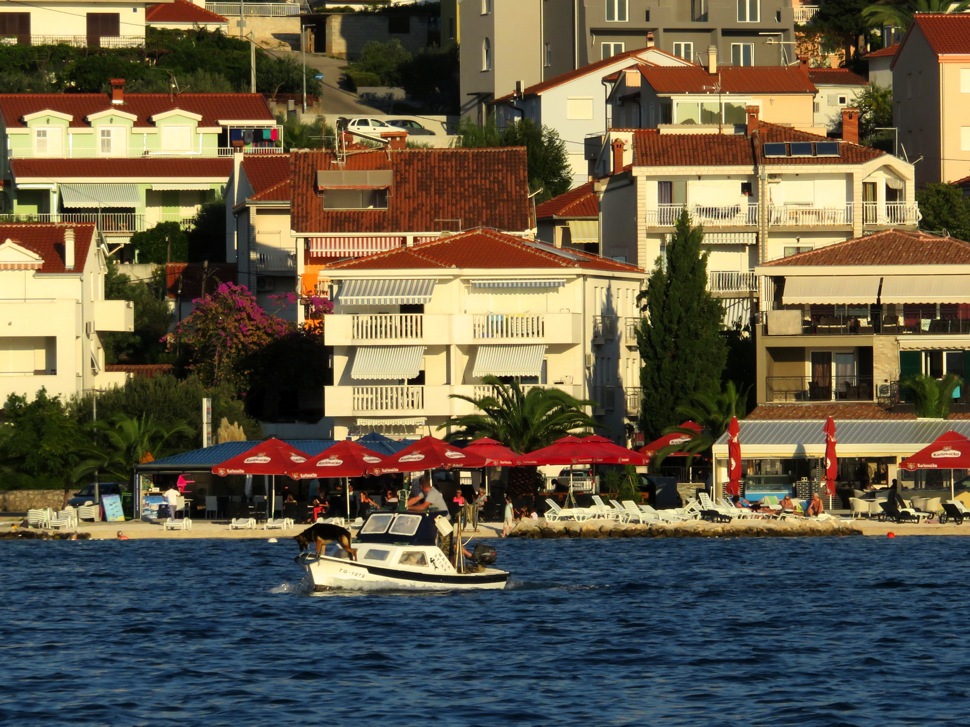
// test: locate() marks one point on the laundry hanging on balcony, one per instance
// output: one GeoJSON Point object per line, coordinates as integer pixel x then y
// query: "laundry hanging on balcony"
{"type": "Point", "coordinates": [393, 363]}
{"type": "Point", "coordinates": [386, 292]}
{"type": "Point", "coordinates": [511, 360]}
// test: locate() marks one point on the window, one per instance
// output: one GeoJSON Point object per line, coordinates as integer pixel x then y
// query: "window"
{"type": "Point", "coordinates": [608, 50]}
{"type": "Point", "coordinates": [48, 141]}
{"type": "Point", "coordinates": [698, 10]}
{"type": "Point", "coordinates": [16, 25]}
{"type": "Point", "coordinates": [111, 140]}
{"type": "Point", "coordinates": [486, 7]}
{"type": "Point", "coordinates": [355, 199]}
{"type": "Point", "coordinates": [749, 11]}
{"type": "Point", "coordinates": [616, 11]}
{"type": "Point", "coordinates": [684, 50]}
{"type": "Point", "coordinates": [965, 138]}
{"type": "Point", "coordinates": [547, 55]}
{"type": "Point", "coordinates": [176, 138]}
{"type": "Point", "coordinates": [742, 54]}
{"type": "Point", "coordinates": [486, 55]}
{"type": "Point", "coordinates": [795, 249]}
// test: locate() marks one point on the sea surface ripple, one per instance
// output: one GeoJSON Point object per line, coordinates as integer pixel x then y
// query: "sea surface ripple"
{"type": "Point", "coordinates": [814, 631]}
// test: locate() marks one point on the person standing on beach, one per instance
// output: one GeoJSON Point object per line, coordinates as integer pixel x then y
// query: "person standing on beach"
{"type": "Point", "coordinates": [508, 521]}
{"type": "Point", "coordinates": [172, 499]}
{"type": "Point", "coordinates": [480, 499]}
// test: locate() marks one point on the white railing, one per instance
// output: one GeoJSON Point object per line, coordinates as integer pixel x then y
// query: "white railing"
{"type": "Point", "coordinates": [603, 398]}
{"type": "Point", "coordinates": [110, 223]}
{"type": "Point", "coordinates": [388, 398]}
{"type": "Point", "coordinates": [341, 247]}
{"type": "Point", "coordinates": [78, 41]}
{"type": "Point", "coordinates": [730, 281]}
{"type": "Point", "coordinates": [89, 153]}
{"type": "Point", "coordinates": [604, 328]}
{"type": "Point", "coordinates": [890, 213]}
{"type": "Point", "coordinates": [799, 215]}
{"type": "Point", "coordinates": [709, 215]}
{"type": "Point", "coordinates": [267, 258]}
{"type": "Point", "coordinates": [264, 10]}
{"type": "Point", "coordinates": [480, 391]}
{"type": "Point", "coordinates": [387, 326]}
{"type": "Point", "coordinates": [805, 13]}
{"type": "Point", "coordinates": [508, 325]}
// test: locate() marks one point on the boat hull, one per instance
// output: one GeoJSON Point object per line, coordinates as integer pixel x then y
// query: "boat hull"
{"type": "Point", "coordinates": [328, 573]}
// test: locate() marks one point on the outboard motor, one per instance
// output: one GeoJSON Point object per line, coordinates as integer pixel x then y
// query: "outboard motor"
{"type": "Point", "coordinates": [484, 554]}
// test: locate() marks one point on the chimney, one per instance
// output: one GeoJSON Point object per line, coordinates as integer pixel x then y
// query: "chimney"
{"type": "Point", "coordinates": [117, 90]}
{"type": "Point", "coordinates": [69, 248]}
{"type": "Point", "coordinates": [712, 60]}
{"type": "Point", "coordinates": [850, 125]}
{"type": "Point", "coordinates": [751, 113]}
{"type": "Point", "coordinates": [803, 64]}
{"type": "Point", "coordinates": [617, 147]}
{"type": "Point", "coordinates": [396, 139]}
{"type": "Point", "coordinates": [649, 39]}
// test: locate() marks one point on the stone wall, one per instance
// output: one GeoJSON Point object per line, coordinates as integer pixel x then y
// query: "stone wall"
{"type": "Point", "coordinates": [268, 32]}
{"type": "Point", "coordinates": [24, 500]}
{"type": "Point", "coordinates": [346, 35]}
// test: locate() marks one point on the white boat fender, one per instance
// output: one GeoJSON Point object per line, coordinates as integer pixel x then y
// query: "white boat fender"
{"type": "Point", "coordinates": [443, 525]}
{"type": "Point", "coordinates": [272, 540]}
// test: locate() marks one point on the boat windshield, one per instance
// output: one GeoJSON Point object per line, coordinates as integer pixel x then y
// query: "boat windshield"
{"type": "Point", "coordinates": [403, 525]}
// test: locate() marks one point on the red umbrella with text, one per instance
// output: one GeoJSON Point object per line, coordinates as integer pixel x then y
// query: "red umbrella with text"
{"type": "Point", "coordinates": [429, 453]}
{"type": "Point", "coordinates": [669, 440]}
{"type": "Point", "coordinates": [344, 459]}
{"type": "Point", "coordinates": [271, 457]}
{"type": "Point", "coordinates": [734, 458]}
{"type": "Point", "coordinates": [949, 451]}
{"type": "Point", "coordinates": [831, 461]}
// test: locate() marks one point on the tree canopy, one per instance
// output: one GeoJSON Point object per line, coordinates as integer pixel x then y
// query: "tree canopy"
{"type": "Point", "coordinates": [944, 209]}
{"type": "Point", "coordinates": [680, 341]}
{"type": "Point", "coordinates": [899, 13]}
{"type": "Point", "coordinates": [152, 317]}
{"type": "Point", "coordinates": [841, 25]}
{"type": "Point", "coordinates": [875, 106]}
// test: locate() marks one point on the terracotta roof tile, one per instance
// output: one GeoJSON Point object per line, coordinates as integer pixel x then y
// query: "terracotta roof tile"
{"type": "Point", "coordinates": [802, 412]}
{"type": "Point", "coordinates": [733, 79]}
{"type": "Point", "coordinates": [433, 190]}
{"type": "Point", "coordinates": [947, 33]}
{"type": "Point", "coordinates": [210, 106]}
{"type": "Point", "coordinates": [181, 11]}
{"type": "Point", "coordinates": [883, 52]}
{"type": "Point", "coordinates": [578, 202]}
{"type": "Point", "coordinates": [836, 77]}
{"type": "Point", "coordinates": [848, 153]}
{"type": "Point", "coordinates": [269, 176]}
{"type": "Point", "coordinates": [47, 240]}
{"type": "Point", "coordinates": [483, 249]}
{"type": "Point", "coordinates": [138, 168]}
{"type": "Point", "coordinates": [890, 247]}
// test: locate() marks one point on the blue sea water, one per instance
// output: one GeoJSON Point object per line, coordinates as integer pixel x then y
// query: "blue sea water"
{"type": "Point", "coordinates": [819, 631]}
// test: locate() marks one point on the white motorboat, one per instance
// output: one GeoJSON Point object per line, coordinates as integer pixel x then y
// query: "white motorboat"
{"type": "Point", "coordinates": [399, 551]}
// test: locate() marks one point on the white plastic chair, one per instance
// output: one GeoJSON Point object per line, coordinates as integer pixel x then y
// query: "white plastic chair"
{"type": "Point", "coordinates": [181, 524]}
{"type": "Point", "coordinates": [39, 518]}
{"type": "Point", "coordinates": [860, 508]}
{"type": "Point", "coordinates": [243, 523]}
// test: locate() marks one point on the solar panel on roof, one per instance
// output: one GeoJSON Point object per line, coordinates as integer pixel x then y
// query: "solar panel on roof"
{"type": "Point", "coordinates": [775, 149]}
{"type": "Point", "coordinates": [801, 149]}
{"type": "Point", "coordinates": [827, 149]}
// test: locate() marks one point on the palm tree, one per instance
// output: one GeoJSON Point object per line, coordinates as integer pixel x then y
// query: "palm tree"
{"type": "Point", "coordinates": [124, 443]}
{"type": "Point", "coordinates": [713, 413]}
{"type": "Point", "coordinates": [931, 397]}
{"type": "Point", "coordinates": [523, 421]}
{"type": "Point", "coordinates": [896, 14]}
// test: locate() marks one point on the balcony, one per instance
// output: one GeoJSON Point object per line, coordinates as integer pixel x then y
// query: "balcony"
{"type": "Point", "coordinates": [887, 322]}
{"type": "Point", "coordinates": [387, 327]}
{"type": "Point", "coordinates": [603, 398]}
{"type": "Point", "coordinates": [804, 388]}
{"type": "Point", "coordinates": [806, 215]}
{"type": "Point", "coordinates": [890, 214]}
{"type": "Point", "coordinates": [113, 315]}
{"type": "Point", "coordinates": [263, 10]}
{"type": "Point", "coordinates": [736, 215]}
{"type": "Point", "coordinates": [730, 281]}
{"type": "Point", "coordinates": [604, 328]}
{"type": "Point", "coordinates": [388, 399]}
{"type": "Point", "coordinates": [110, 223]}
{"type": "Point", "coordinates": [630, 325]}
{"type": "Point", "coordinates": [633, 396]}
{"type": "Point", "coordinates": [78, 41]}
{"type": "Point", "coordinates": [805, 13]}
{"type": "Point", "coordinates": [268, 259]}
{"type": "Point", "coordinates": [508, 326]}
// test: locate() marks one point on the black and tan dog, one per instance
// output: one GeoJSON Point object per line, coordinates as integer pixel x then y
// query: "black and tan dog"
{"type": "Point", "coordinates": [323, 533]}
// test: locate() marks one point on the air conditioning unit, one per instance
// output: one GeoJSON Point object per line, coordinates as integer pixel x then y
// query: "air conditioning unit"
{"type": "Point", "coordinates": [264, 285]}
{"type": "Point", "coordinates": [884, 390]}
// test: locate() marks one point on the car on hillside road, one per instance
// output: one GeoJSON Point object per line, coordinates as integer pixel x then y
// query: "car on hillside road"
{"type": "Point", "coordinates": [367, 125]}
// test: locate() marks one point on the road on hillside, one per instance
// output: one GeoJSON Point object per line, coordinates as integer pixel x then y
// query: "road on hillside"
{"type": "Point", "coordinates": [335, 100]}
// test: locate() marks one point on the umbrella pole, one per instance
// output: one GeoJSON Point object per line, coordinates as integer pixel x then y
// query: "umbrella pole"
{"type": "Point", "coordinates": [347, 496]}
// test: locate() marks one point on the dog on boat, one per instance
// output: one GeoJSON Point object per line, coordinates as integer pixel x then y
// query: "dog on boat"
{"type": "Point", "coordinates": [323, 533]}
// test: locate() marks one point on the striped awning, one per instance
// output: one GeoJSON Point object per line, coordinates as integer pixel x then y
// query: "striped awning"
{"type": "Point", "coordinates": [519, 283]}
{"type": "Point", "coordinates": [523, 360]}
{"type": "Point", "coordinates": [393, 363]}
{"type": "Point", "coordinates": [181, 186]}
{"type": "Point", "coordinates": [926, 289]}
{"type": "Point", "coordinates": [89, 196]}
{"type": "Point", "coordinates": [584, 231]}
{"type": "Point", "coordinates": [857, 289]}
{"type": "Point", "coordinates": [386, 292]}
{"type": "Point", "coordinates": [730, 238]}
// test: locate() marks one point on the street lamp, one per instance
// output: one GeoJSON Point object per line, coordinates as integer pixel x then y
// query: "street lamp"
{"type": "Point", "coordinates": [303, 29]}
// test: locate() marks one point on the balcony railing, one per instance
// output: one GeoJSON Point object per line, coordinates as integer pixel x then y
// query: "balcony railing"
{"type": "Point", "coordinates": [730, 281]}
{"type": "Point", "coordinates": [88, 153]}
{"type": "Point", "coordinates": [630, 325]}
{"type": "Point", "coordinates": [508, 325]}
{"type": "Point", "coordinates": [603, 398]}
{"type": "Point", "coordinates": [268, 259]}
{"type": "Point", "coordinates": [110, 223]}
{"type": "Point", "coordinates": [78, 41]}
{"type": "Point", "coordinates": [885, 323]}
{"type": "Point", "coordinates": [797, 215]}
{"type": "Point", "coordinates": [709, 215]}
{"type": "Point", "coordinates": [633, 397]}
{"type": "Point", "coordinates": [805, 388]}
{"type": "Point", "coordinates": [805, 13]}
{"type": "Point", "coordinates": [265, 10]}
{"type": "Point", "coordinates": [387, 326]}
{"type": "Point", "coordinates": [890, 213]}
{"type": "Point", "coordinates": [388, 398]}
{"type": "Point", "coordinates": [604, 328]}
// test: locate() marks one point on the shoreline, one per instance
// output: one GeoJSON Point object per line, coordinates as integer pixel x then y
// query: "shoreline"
{"type": "Point", "coordinates": [220, 530]}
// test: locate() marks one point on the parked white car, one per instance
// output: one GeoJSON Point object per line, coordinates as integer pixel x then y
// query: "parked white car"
{"type": "Point", "coordinates": [369, 125]}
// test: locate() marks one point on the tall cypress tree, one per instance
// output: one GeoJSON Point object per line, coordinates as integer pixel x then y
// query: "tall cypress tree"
{"type": "Point", "coordinates": [680, 341]}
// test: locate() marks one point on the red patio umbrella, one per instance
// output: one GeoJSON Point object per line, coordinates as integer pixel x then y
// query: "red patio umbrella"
{"type": "Point", "coordinates": [734, 458]}
{"type": "Point", "coordinates": [496, 454]}
{"type": "Point", "coordinates": [566, 450]}
{"type": "Point", "coordinates": [271, 457]}
{"type": "Point", "coordinates": [949, 451]}
{"type": "Point", "coordinates": [831, 461]}
{"type": "Point", "coordinates": [613, 453]}
{"type": "Point", "coordinates": [669, 440]}
{"type": "Point", "coordinates": [344, 459]}
{"type": "Point", "coordinates": [429, 453]}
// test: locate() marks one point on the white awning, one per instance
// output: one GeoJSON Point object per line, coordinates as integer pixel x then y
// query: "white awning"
{"type": "Point", "coordinates": [519, 283]}
{"type": "Point", "coordinates": [394, 363]}
{"type": "Point", "coordinates": [524, 360]}
{"type": "Point", "coordinates": [181, 186]}
{"type": "Point", "coordinates": [857, 289]}
{"type": "Point", "coordinates": [92, 196]}
{"type": "Point", "coordinates": [386, 292]}
{"type": "Point", "coordinates": [582, 231]}
{"type": "Point", "coordinates": [926, 289]}
{"type": "Point", "coordinates": [730, 238]}
{"type": "Point", "coordinates": [395, 422]}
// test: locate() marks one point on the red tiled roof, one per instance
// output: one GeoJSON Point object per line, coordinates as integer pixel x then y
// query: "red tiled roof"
{"type": "Point", "coordinates": [835, 77]}
{"type": "Point", "coordinates": [483, 249]}
{"type": "Point", "coordinates": [433, 190]}
{"type": "Point", "coordinates": [653, 148]}
{"type": "Point", "coordinates": [210, 106]}
{"type": "Point", "coordinates": [47, 240]}
{"type": "Point", "coordinates": [890, 247]}
{"type": "Point", "coordinates": [144, 168]}
{"type": "Point", "coordinates": [947, 33]}
{"type": "Point", "coordinates": [269, 176]}
{"type": "Point", "coordinates": [802, 412]}
{"type": "Point", "coordinates": [578, 202]}
{"type": "Point", "coordinates": [883, 52]}
{"type": "Point", "coordinates": [965, 182]}
{"type": "Point", "coordinates": [181, 11]}
{"type": "Point", "coordinates": [733, 79]}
